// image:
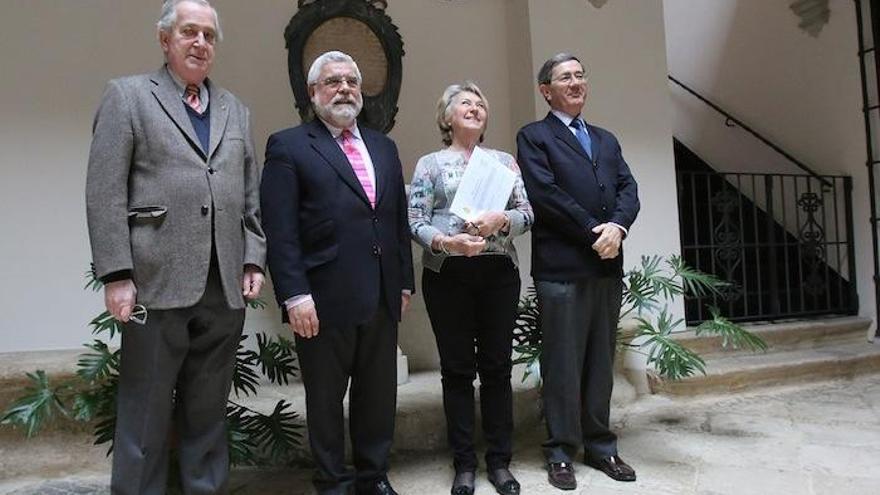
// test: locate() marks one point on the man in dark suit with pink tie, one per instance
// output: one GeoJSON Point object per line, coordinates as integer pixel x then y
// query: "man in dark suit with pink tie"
{"type": "Point", "coordinates": [335, 217]}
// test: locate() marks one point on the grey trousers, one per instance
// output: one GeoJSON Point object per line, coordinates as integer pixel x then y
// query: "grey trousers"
{"type": "Point", "coordinates": [175, 376]}
{"type": "Point", "coordinates": [579, 325]}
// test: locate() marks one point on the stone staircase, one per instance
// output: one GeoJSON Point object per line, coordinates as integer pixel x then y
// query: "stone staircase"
{"type": "Point", "coordinates": [798, 351]}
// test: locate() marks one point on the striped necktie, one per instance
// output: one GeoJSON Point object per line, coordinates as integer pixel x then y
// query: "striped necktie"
{"type": "Point", "coordinates": [357, 164]}
{"type": "Point", "coordinates": [191, 97]}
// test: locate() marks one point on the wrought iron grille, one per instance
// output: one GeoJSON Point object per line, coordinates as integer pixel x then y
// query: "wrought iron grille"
{"type": "Point", "coordinates": [784, 242]}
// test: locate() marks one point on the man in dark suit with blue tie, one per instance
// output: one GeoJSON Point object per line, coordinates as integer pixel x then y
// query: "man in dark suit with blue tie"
{"type": "Point", "coordinates": [335, 216]}
{"type": "Point", "coordinates": [585, 200]}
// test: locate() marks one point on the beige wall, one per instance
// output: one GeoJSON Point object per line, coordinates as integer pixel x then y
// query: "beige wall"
{"type": "Point", "coordinates": [800, 91]}
{"type": "Point", "coordinates": [58, 55]}
{"type": "Point", "coordinates": [622, 46]}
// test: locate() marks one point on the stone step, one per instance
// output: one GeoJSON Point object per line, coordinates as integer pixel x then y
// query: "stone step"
{"type": "Point", "coordinates": [730, 373]}
{"type": "Point", "coordinates": [420, 424]}
{"type": "Point", "coordinates": [803, 334]}
{"type": "Point", "coordinates": [60, 366]}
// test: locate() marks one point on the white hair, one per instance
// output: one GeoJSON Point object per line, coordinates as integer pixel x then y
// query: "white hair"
{"type": "Point", "coordinates": [168, 16]}
{"type": "Point", "coordinates": [330, 57]}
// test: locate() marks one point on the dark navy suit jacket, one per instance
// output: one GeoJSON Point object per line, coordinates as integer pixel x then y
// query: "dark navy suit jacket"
{"type": "Point", "coordinates": [571, 194]}
{"type": "Point", "coordinates": [323, 237]}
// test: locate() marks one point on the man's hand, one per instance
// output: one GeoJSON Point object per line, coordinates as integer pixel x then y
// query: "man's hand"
{"type": "Point", "coordinates": [252, 282]}
{"type": "Point", "coordinates": [608, 244]}
{"type": "Point", "coordinates": [119, 298]}
{"type": "Point", "coordinates": [466, 244]}
{"type": "Point", "coordinates": [304, 319]}
{"type": "Point", "coordinates": [404, 302]}
{"type": "Point", "coordinates": [487, 224]}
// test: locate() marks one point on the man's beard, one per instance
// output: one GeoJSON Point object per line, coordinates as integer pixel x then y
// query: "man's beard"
{"type": "Point", "coordinates": [339, 113]}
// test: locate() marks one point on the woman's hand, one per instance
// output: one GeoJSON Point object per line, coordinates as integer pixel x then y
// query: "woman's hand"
{"type": "Point", "coordinates": [488, 223]}
{"type": "Point", "coordinates": [465, 244]}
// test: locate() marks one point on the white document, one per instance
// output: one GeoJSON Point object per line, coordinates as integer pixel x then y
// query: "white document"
{"type": "Point", "coordinates": [485, 186]}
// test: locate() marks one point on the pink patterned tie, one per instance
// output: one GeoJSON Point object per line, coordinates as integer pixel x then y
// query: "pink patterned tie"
{"type": "Point", "coordinates": [191, 97]}
{"type": "Point", "coordinates": [357, 164]}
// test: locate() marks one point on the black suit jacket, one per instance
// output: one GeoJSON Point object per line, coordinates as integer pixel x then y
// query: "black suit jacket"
{"type": "Point", "coordinates": [572, 194]}
{"type": "Point", "coordinates": [323, 237]}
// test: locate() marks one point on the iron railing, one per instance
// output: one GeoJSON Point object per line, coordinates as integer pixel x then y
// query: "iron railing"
{"type": "Point", "coordinates": [784, 242]}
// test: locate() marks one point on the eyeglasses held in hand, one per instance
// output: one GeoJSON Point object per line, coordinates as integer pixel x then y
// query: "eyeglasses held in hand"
{"type": "Point", "coordinates": [139, 314]}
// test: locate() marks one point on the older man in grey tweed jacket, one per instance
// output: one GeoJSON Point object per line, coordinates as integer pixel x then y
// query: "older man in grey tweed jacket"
{"type": "Point", "coordinates": [173, 213]}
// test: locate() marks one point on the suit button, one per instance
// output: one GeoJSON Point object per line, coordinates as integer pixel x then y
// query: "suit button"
{"type": "Point", "coordinates": [377, 250]}
{"type": "Point", "coordinates": [375, 219]}
{"type": "Point", "coordinates": [205, 209]}
{"type": "Point", "coordinates": [595, 164]}
{"type": "Point", "coordinates": [601, 187]}
{"type": "Point", "coordinates": [211, 170]}
{"type": "Point", "coordinates": [604, 208]}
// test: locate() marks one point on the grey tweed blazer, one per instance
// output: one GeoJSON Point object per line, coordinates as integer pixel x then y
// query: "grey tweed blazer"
{"type": "Point", "coordinates": [152, 193]}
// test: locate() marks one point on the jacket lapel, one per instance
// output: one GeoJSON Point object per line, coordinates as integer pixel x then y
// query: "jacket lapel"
{"type": "Point", "coordinates": [326, 146]}
{"type": "Point", "coordinates": [561, 132]}
{"type": "Point", "coordinates": [219, 116]}
{"type": "Point", "coordinates": [166, 93]}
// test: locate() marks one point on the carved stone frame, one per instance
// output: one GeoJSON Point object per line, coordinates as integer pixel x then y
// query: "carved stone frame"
{"type": "Point", "coordinates": [379, 110]}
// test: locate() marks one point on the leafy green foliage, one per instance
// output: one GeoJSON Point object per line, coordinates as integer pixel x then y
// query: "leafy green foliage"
{"type": "Point", "coordinates": [277, 433]}
{"type": "Point", "coordinates": [256, 303]}
{"type": "Point", "coordinates": [92, 394]}
{"type": "Point", "coordinates": [276, 358]}
{"type": "Point", "coordinates": [527, 332]}
{"type": "Point", "coordinates": [105, 322]}
{"type": "Point", "coordinates": [40, 403]}
{"type": "Point", "coordinates": [101, 364]}
{"type": "Point", "coordinates": [245, 379]}
{"type": "Point", "coordinates": [671, 359]}
{"type": "Point", "coordinates": [731, 334]}
{"type": "Point", "coordinates": [242, 447]}
{"type": "Point", "coordinates": [648, 290]}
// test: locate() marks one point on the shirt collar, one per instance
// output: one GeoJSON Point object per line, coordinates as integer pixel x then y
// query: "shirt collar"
{"type": "Point", "coordinates": [337, 131]}
{"type": "Point", "coordinates": [181, 87]}
{"type": "Point", "coordinates": [566, 118]}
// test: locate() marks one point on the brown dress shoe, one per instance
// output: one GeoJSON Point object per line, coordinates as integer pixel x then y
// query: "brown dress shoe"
{"type": "Point", "coordinates": [614, 467]}
{"type": "Point", "coordinates": [561, 475]}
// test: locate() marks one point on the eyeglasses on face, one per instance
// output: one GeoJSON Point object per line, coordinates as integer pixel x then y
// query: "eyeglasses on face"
{"type": "Point", "coordinates": [335, 82]}
{"type": "Point", "coordinates": [568, 77]}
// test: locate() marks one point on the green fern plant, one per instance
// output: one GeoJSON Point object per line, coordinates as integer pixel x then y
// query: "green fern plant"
{"type": "Point", "coordinates": [254, 438]}
{"type": "Point", "coordinates": [648, 290]}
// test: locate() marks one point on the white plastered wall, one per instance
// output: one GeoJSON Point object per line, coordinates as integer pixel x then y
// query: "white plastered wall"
{"type": "Point", "coordinates": [57, 56]}
{"type": "Point", "coordinates": [802, 92]}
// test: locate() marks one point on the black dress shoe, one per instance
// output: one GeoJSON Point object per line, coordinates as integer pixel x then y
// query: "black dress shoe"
{"type": "Point", "coordinates": [613, 466]}
{"type": "Point", "coordinates": [503, 481]}
{"type": "Point", "coordinates": [463, 484]}
{"type": "Point", "coordinates": [382, 487]}
{"type": "Point", "coordinates": [561, 475]}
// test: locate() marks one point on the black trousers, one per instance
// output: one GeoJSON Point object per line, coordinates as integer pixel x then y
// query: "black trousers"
{"type": "Point", "coordinates": [176, 370]}
{"type": "Point", "coordinates": [365, 355]}
{"type": "Point", "coordinates": [579, 325]}
{"type": "Point", "coordinates": [472, 305]}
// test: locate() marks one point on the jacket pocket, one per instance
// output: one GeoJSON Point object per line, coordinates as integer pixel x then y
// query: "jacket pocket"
{"type": "Point", "coordinates": [153, 212]}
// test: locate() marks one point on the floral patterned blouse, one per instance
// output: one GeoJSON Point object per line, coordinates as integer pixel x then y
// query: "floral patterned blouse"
{"type": "Point", "coordinates": [433, 188]}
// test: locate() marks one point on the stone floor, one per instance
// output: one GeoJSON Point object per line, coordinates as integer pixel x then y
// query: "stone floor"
{"type": "Point", "coordinates": [808, 439]}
